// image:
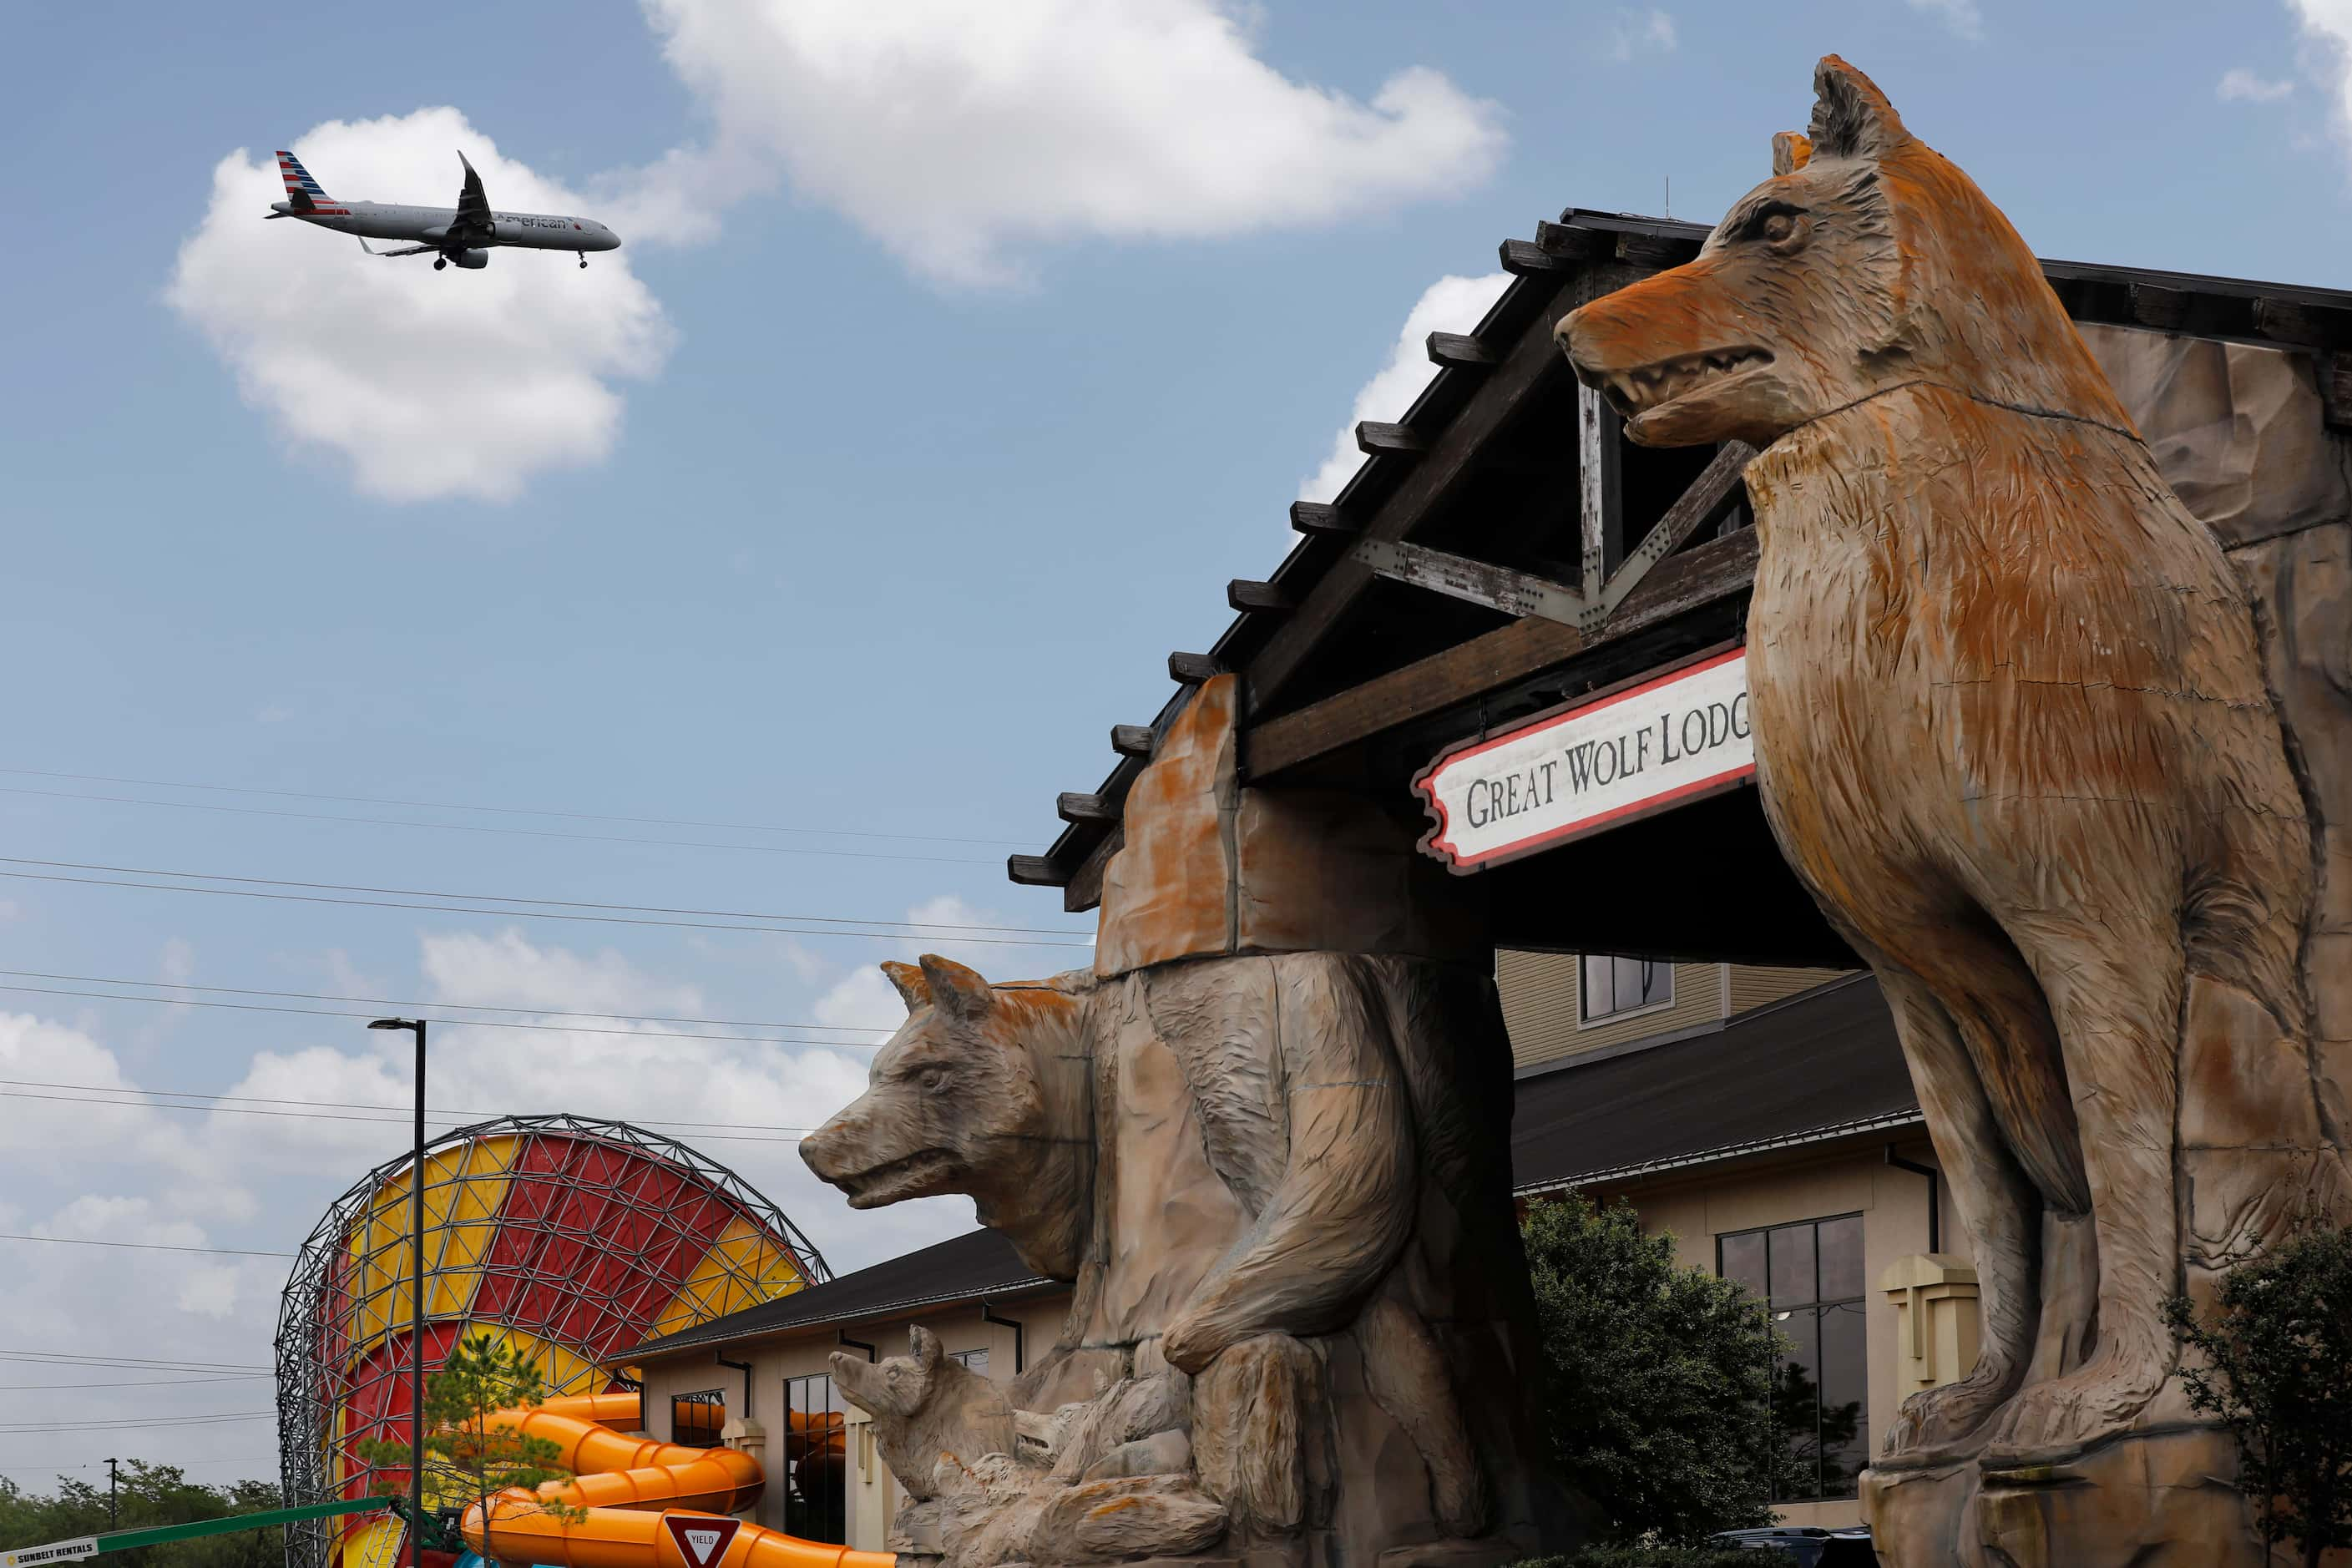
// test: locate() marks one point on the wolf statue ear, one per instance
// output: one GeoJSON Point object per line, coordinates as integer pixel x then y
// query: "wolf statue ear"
{"type": "Point", "coordinates": [1790, 151]}
{"type": "Point", "coordinates": [957, 992]}
{"type": "Point", "coordinates": [913, 989]}
{"type": "Point", "coordinates": [925, 1344]}
{"type": "Point", "coordinates": [1851, 117]}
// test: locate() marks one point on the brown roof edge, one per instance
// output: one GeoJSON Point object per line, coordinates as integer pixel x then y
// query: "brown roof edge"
{"type": "Point", "coordinates": [699, 1339]}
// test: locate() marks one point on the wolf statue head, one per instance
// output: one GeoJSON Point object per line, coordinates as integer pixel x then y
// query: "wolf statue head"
{"type": "Point", "coordinates": [1867, 263]}
{"type": "Point", "coordinates": [983, 1090]}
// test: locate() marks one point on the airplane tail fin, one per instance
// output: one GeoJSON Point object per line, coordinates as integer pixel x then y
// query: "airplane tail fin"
{"type": "Point", "coordinates": [304, 194]}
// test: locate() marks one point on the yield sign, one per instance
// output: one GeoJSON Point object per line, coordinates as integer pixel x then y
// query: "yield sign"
{"type": "Point", "coordinates": [702, 1539]}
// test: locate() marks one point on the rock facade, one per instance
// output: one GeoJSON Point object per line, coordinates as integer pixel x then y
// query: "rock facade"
{"type": "Point", "coordinates": [1262, 1136]}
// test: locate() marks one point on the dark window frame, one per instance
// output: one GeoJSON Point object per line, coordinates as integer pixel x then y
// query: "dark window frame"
{"type": "Point", "coordinates": [1647, 973]}
{"type": "Point", "coordinates": [1783, 1312]}
{"type": "Point", "coordinates": [814, 1509]}
{"type": "Point", "coordinates": [695, 1436]}
{"type": "Point", "coordinates": [965, 1359]}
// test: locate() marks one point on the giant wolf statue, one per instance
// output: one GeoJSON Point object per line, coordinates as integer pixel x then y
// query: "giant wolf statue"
{"type": "Point", "coordinates": [1261, 1137]}
{"type": "Point", "coordinates": [2013, 731]}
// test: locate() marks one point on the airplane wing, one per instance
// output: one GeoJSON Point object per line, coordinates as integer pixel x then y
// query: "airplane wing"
{"type": "Point", "coordinates": [473, 206]}
{"type": "Point", "coordinates": [412, 250]}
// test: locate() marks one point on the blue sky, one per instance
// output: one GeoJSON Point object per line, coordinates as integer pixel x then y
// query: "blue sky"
{"type": "Point", "coordinates": [948, 373]}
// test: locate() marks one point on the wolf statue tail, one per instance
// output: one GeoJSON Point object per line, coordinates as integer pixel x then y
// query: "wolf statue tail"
{"type": "Point", "coordinates": [303, 194]}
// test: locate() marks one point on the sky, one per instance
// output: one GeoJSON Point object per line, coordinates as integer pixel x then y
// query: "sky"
{"type": "Point", "coordinates": [784, 563]}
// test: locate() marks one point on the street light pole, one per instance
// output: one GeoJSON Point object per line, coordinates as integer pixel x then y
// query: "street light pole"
{"type": "Point", "coordinates": [415, 1305]}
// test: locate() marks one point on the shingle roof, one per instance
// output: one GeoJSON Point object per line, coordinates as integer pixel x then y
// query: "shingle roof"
{"type": "Point", "coordinates": [981, 1264]}
{"type": "Point", "coordinates": [1821, 1064]}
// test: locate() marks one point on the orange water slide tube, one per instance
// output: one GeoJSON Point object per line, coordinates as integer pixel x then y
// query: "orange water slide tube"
{"type": "Point", "coordinates": [625, 1485]}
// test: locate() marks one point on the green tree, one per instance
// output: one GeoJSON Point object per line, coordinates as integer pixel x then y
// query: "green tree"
{"type": "Point", "coordinates": [471, 1455]}
{"type": "Point", "coordinates": [2274, 1362]}
{"type": "Point", "coordinates": [148, 1495]}
{"type": "Point", "coordinates": [1659, 1378]}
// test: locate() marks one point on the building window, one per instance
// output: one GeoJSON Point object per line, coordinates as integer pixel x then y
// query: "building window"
{"type": "Point", "coordinates": [975, 1359]}
{"type": "Point", "coordinates": [1809, 1275]}
{"type": "Point", "coordinates": [695, 1419]}
{"type": "Point", "coordinates": [1614, 986]}
{"type": "Point", "coordinates": [816, 1500]}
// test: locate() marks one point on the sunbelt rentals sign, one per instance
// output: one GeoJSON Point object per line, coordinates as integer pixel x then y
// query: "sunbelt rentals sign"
{"type": "Point", "coordinates": [1595, 763]}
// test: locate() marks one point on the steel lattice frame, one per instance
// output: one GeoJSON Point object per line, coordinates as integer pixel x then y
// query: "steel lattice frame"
{"type": "Point", "coordinates": [586, 1237]}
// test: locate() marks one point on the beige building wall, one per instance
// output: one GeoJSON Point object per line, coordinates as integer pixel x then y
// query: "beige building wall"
{"type": "Point", "coordinates": [874, 1494]}
{"type": "Point", "coordinates": [1541, 1005]}
{"type": "Point", "coordinates": [1699, 1206]}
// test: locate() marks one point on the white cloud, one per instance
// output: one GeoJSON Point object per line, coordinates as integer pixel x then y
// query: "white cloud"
{"type": "Point", "coordinates": [957, 135]}
{"type": "Point", "coordinates": [1961, 15]}
{"type": "Point", "coordinates": [507, 970]}
{"type": "Point", "coordinates": [1637, 31]}
{"type": "Point", "coordinates": [1449, 305]}
{"type": "Point", "coordinates": [430, 385]}
{"type": "Point", "coordinates": [2239, 85]}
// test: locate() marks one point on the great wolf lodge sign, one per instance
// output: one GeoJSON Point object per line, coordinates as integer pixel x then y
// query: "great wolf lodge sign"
{"type": "Point", "coordinates": [1598, 762]}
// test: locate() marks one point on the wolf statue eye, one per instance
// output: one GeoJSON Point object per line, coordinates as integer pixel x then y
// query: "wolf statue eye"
{"type": "Point", "coordinates": [934, 1080]}
{"type": "Point", "coordinates": [1778, 228]}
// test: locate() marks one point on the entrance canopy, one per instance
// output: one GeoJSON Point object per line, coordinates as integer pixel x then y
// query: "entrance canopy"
{"type": "Point", "coordinates": [1434, 602]}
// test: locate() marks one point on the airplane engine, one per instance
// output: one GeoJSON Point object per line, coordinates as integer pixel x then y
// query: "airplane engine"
{"type": "Point", "coordinates": [472, 260]}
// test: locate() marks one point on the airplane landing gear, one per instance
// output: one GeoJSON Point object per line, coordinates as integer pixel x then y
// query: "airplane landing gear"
{"type": "Point", "coordinates": [583, 259]}
{"type": "Point", "coordinates": [439, 262]}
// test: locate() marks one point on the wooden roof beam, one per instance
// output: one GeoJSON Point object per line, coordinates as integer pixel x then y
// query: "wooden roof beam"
{"type": "Point", "coordinates": [1071, 805]}
{"type": "Point", "coordinates": [1036, 871]}
{"type": "Point", "coordinates": [1321, 517]}
{"type": "Point", "coordinates": [1247, 597]}
{"type": "Point", "coordinates": [1374, 439]}
{"type": "Point", "coordinates": [1132, 739]}
{"type": "Point", "coordinates": [1456, 351]}
{"type": "Point", "coordinates": [1192, 669]}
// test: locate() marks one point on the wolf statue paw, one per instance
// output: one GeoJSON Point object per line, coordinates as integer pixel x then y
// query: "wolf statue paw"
{"type": "Point", "coordinates": [1938, 1423]}
{"type": "Point", "coordinates": [2057, 1420]}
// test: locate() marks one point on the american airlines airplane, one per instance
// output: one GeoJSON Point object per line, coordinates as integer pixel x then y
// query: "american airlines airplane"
{"type": "Point", "coordinates": [464, 236]}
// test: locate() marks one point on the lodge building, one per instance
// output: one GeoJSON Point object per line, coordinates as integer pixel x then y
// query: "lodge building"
{"type": "Point", "coordinates": [1496, 584]}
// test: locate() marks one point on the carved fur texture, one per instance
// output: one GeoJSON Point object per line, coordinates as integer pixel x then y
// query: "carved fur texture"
{"type": "Point", "coordinates": [1277, 1184]}
{"type": "Point", "coordinates": [2013, 731]}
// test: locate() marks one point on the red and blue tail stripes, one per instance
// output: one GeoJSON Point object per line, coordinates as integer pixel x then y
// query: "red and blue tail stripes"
{"type": "Point", "coordinates": [302, 187]}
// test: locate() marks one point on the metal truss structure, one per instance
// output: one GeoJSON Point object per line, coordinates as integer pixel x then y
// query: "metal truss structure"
{"type": "Point", "coordinates": [569, 1238]}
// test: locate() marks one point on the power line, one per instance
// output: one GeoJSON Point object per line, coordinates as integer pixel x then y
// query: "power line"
{"type": "Point", "coordinates": [85, 1358]}
{"type": "Point", "coordinates": [138, 1246]}
{"type": "Point", "coordinates": [463, 1006]}
{"type": "Point", "coordinates": [223, 1418]}
{"type": "Point", "coordinates": [923, 928]}
{"type": "Point", "coordinates": [140, 1383]}
{"type": "Point", "coordinates": [339, 1104]}
{"type": "Point", "coordinates": [484, 827]}
{"type": "Point", "coordinates": [43, 1469]}
{"type": "Point", "coordinates": [453, 1122]}
{"type": "Point", "coordinates": [503, 810]}
{"type": "Point", "coordinates": [469, 1023]}
{"type": "Point", "coordinates": [508, 913]}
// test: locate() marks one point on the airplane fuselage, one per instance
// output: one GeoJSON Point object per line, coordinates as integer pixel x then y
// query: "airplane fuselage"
{"type": "Point", "coordinates": [436, 225]}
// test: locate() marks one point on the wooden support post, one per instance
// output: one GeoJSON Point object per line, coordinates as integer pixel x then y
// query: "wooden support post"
{"type": "Point", "coordinates": [1601, 488]}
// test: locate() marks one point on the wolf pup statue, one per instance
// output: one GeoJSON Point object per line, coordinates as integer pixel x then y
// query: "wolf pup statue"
{"type": "Point", "coordinates": [2012, 729]}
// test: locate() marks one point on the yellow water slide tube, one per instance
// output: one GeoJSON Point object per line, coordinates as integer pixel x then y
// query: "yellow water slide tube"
{"type": "Point", "coordinates": [626, 1485]}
